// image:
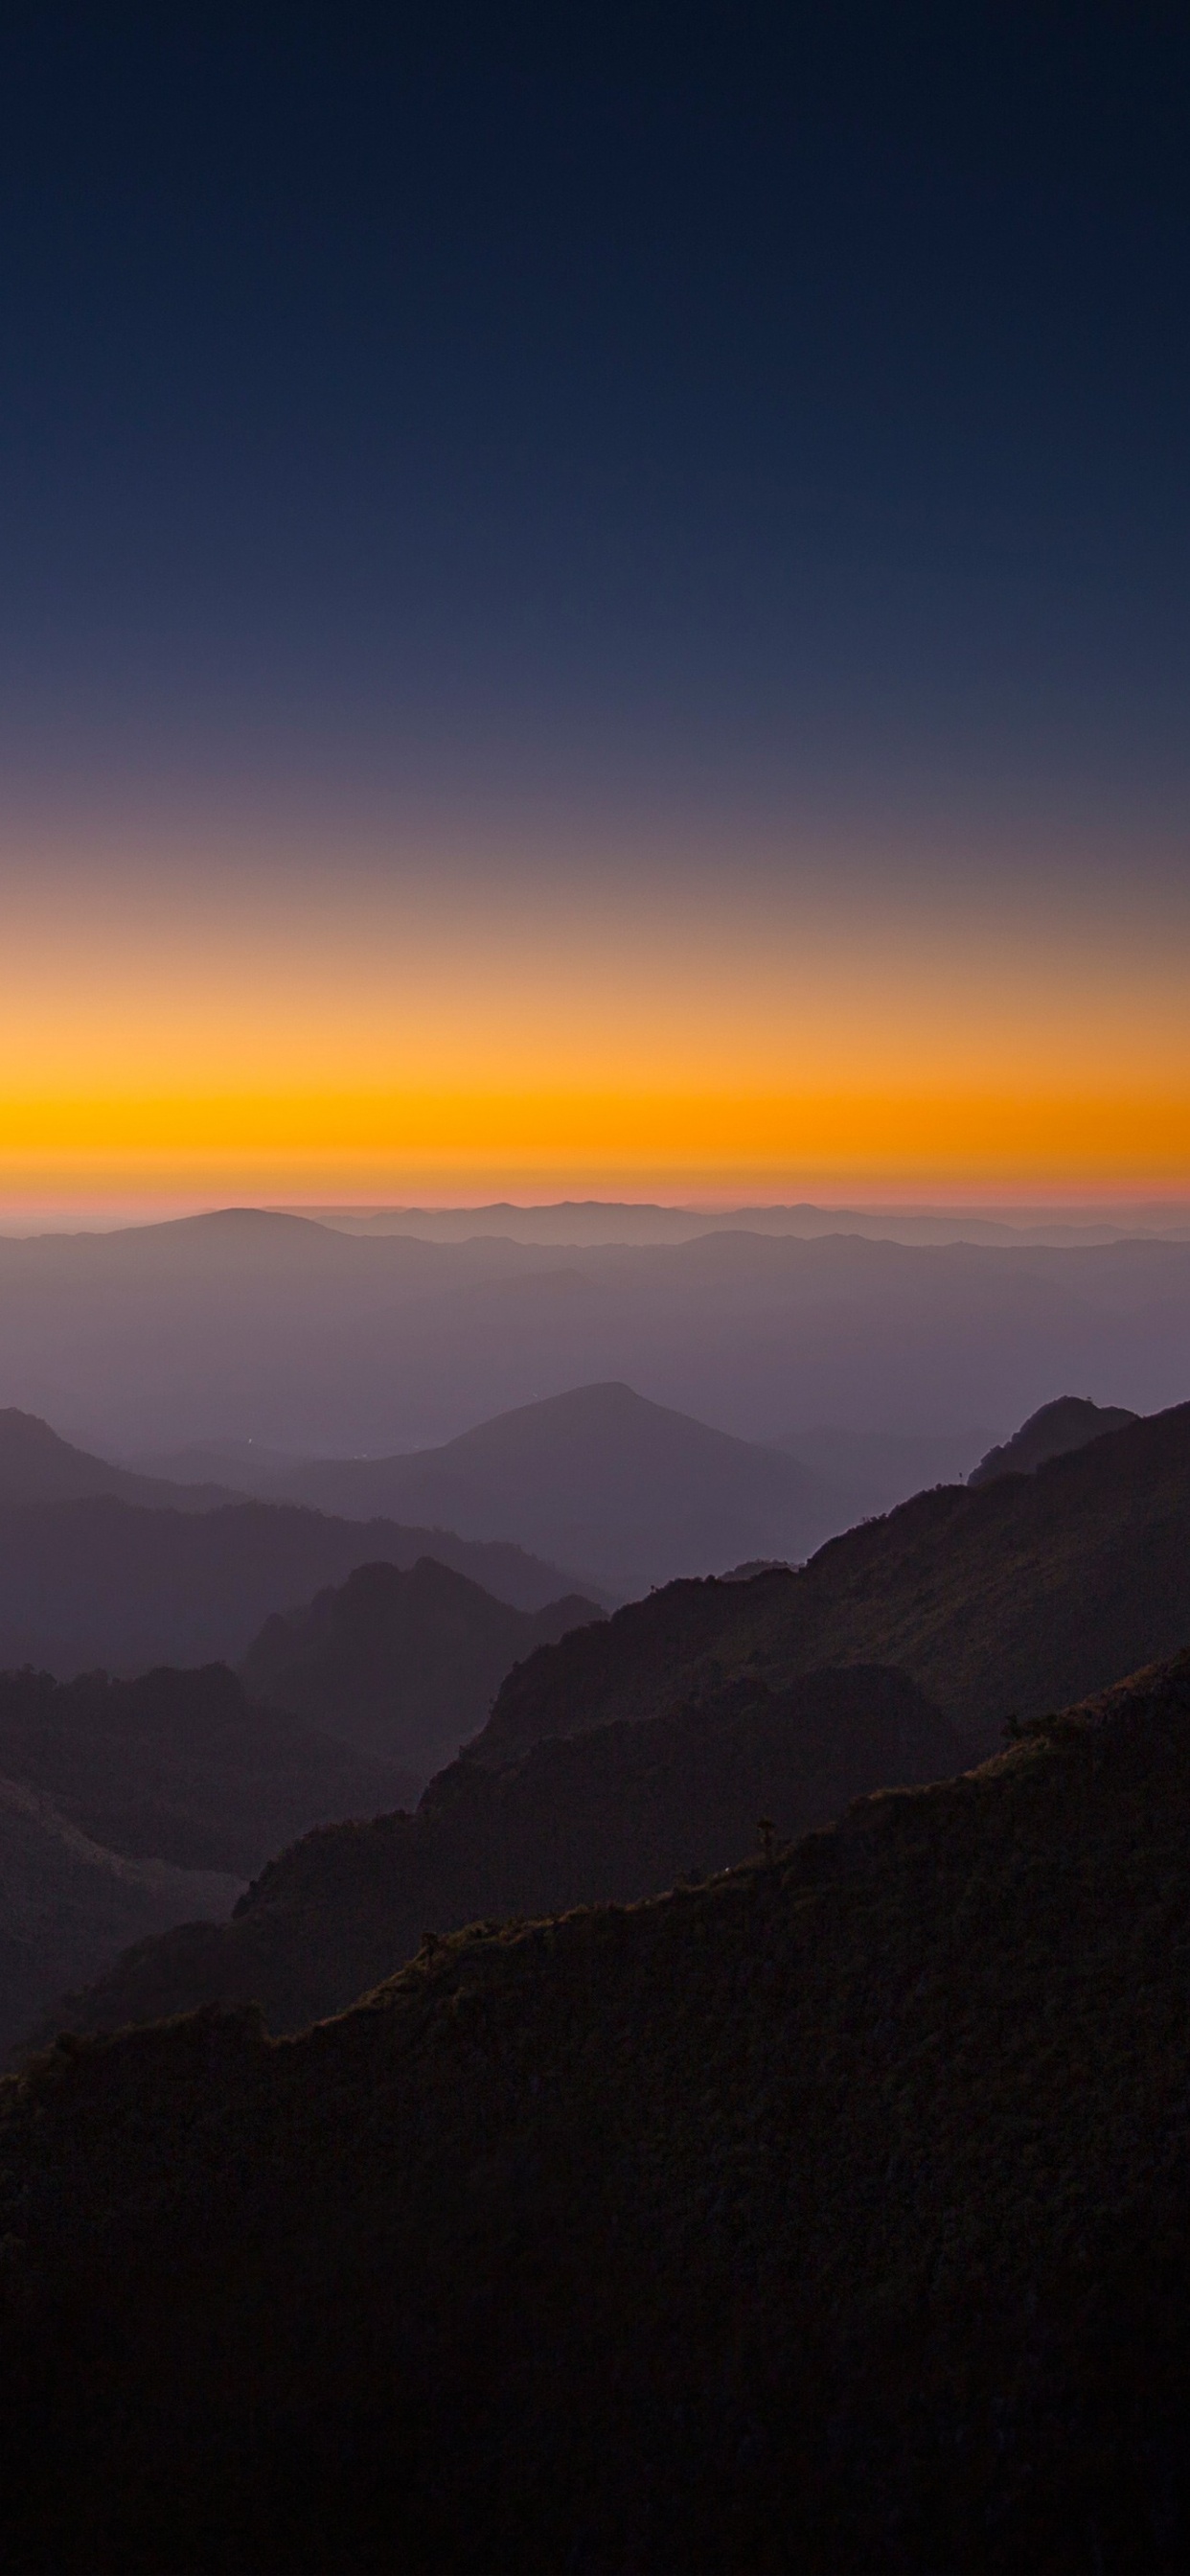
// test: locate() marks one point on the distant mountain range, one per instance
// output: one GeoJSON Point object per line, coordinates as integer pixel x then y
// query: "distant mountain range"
{"type": "Point", "coordinates": [599, 1479]}
{"type": "Point", "coordinates": [830, 2214]}
{"type": "Point", "coordinates": [297, 1337]}
{"type": "Point", "coordinates": [682, 1710]}
{"type": "Point", "coordinates": [102, 1582]}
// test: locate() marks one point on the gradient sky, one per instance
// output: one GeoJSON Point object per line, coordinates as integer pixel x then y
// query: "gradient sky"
{"type": "Point", "coordinates": [594, 600]}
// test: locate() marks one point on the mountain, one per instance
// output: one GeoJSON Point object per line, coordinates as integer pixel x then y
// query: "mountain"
{"type": "Point", "coordinates": [404, 1665]}
{"type": "Point", "coordinates": [1014, 1596]}
{"type": "Point", "coordinates": [997, 1602]}
{"type": "Point", "coordinates": [69, 1906]}
{"type": "Point", "coordinates": [269, 1329]}
{"type": "Point", "coordinates": [1068, 1423]}
{"type": "Point", "coordinates": [619, 1813]}
{"type": "Point", "coordinates": [828, 2216]}
{"type": "Point", "coordinates": [183, 1766]}
{"type": "Point", "coordinates": [37, 1467]}
{"type": "Point", "coordinates": [103, 1582]}
{"type": "Point", "coordinates": [597, 1477]}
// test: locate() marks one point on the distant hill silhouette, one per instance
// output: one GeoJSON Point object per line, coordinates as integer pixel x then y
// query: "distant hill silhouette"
{"type": "Point", "coordinates": [103, 1582]}
{"type": "Point", "coordinates": [619, 1813]}
{"type": "Point", "coordinates": [37, 1467]}
{"type": "Point", "coordinates": [830, 2216]}
{"type": "Point", "coordinates": [68, 1905]}
{"type": "Point", "coordinates": [1068, 1423]}
{"type": "Point", "coordinates": [404, 1665]}
{"type": "Point", "coordinates": [599, 1479]}
{"type": "Point", "coordinates": [1017, 1596]}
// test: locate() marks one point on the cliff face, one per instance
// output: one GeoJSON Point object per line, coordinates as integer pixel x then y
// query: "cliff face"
{"type": "Point", "coordinates": [830, 2216]}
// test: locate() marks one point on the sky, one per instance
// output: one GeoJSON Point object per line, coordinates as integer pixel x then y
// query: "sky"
{"type": "Point", "coordinates": [594, 602]}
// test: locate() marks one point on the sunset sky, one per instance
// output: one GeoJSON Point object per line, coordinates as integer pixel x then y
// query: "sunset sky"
{"type": "Point", "coordinates": [594, 603]}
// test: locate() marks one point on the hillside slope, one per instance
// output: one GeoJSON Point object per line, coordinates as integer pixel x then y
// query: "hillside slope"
{"type": "Point", "coordinates": [599, 1478]}
{"type": "Point", "coordinates": [1068, 1423]}
{"type": "Point", "coordinates": [404, 1665]}
{"type": "Point", "coordinates": [619, 1813]}
{"type": "Point", "coordinates": [182, 1767]}
{"type": "Point", "coordinates": [38, 1467]}
{"type": "Point", "coordinates": [829, 2217]}
{"type": "Point", "coordinates": [1012, 1597]}
{"type": "Point", "coordinates": [69, 1906]}
{"type": "Point", "coordinates": [102, 1582]}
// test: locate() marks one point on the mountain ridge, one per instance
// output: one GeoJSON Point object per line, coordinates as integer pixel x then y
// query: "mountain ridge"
{"type": "Point", "coordinates": [881, 2149]}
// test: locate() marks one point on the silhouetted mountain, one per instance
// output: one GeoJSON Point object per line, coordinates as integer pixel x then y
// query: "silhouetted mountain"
{"type": "Point", "coordinates": [183, 1767]}
{"type": "Point", "coordinates": [600, 1478]}
{"type": "Point", "coordinates": [68, 1906]}
{"type": "Point", "coordinates": [829, 2216]}
{"type": "Point", "coordinates": [104, 1583]}
{"type": "Point", "coordinates": [1068, 1423]}
{"type": "Point", "coordinates": [37, 1467]}
{"type": "Point", "coordinates": [405, 1665]}
{"type": "Point", "coordinates": [619, 1813]}
{"type": "Point", "coordinates": [1018, 1595]}
{"type": "Point", "coordinates": [274, 1330]}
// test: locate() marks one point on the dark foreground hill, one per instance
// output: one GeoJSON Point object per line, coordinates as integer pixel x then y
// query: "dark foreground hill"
{"type": "Point", "coordinates": [1015, 1596]}
{"type": "Point", "coordinates": [828, 2217]}
{"type": "Point", "coordinates": [616, 1814]}
{"type": "Point", "coordinates": [102, 1582]}
{"type": "Point", "coordinates": [404, 1665]}
{"type": "Point", "coordinates": [600, 1478]}
{"type": "Point", "coordinates": [1068, 1423]}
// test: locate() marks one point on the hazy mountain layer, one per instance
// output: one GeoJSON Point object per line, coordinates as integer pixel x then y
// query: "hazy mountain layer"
{"type": "Point", "coordinates": [105, 1583]}
{"type": "Point", "coordinates": [273, 1328]}
{"type": "Point", "coordinates": [404, 1665]}
{"type": "Point", "coordinates": [183, 1767]}
{"type": "Point", "coordinates": [596, 1478]}
{"type": "Point", "coordinates": [37, 1467]}
{"type": "Point", "coordinates": [587, 1221]}
{"type": "Point", "coordinates": [619, 1813]}
{"type": "Point", "coordinates": [830, 2216]}
{"type": "Point", "coordinates": [68, 1906]}
{"type": "Point", "coordinates": [872, 1471]}
{"type": "Point", "coordinates": [1015, 1596]}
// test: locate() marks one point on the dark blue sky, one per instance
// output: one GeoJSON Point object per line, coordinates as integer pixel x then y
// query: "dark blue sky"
{"type": "Point", "coordinates": [737, 407]}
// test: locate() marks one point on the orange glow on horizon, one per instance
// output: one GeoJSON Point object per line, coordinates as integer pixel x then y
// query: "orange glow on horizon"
{"type": "Point", "coordinates": [359, 1144]}
{"type": "Point", "coordinates": [350, 1037]}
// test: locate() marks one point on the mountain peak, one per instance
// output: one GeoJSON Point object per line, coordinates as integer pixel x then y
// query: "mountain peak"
{"type": "Point", "coordinates": [1069, 1422]}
